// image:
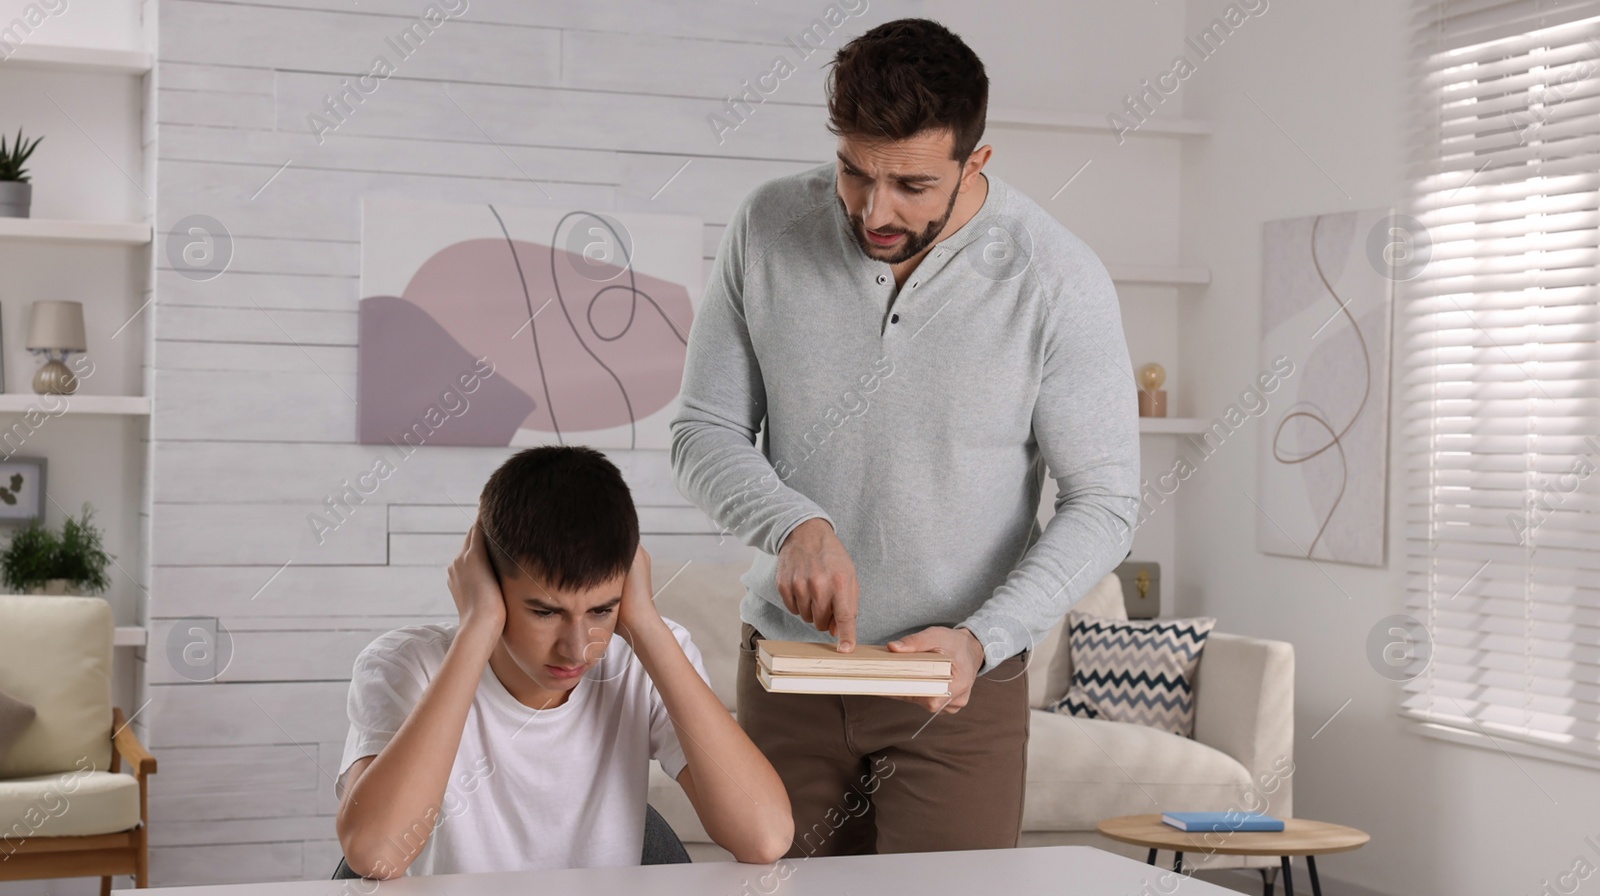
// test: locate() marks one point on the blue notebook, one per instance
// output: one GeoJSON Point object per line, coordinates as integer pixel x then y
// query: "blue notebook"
{"type": "Point", "coordinates": [1221, 821]}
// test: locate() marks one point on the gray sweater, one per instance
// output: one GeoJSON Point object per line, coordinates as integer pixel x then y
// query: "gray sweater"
{"type": "Point", "coordinates": [919, 424]}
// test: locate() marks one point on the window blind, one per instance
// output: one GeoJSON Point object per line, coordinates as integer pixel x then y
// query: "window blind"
{"type": "Point", "coordinates": [1499, 367]}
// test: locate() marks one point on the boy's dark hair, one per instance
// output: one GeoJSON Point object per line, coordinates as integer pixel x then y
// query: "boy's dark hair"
{"type": "Point", "coordinates": [905, 77]}
{"type": "Point", "coordinates": [560, 512]}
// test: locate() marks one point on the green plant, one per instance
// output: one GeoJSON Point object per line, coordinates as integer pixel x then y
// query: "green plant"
{"type": "Point", "coordinates": [13, 157]}
{"type": "Point", "coordinates": [38, 553]}
{"type": "Point", "coordinates": [30, 558]}
{"type": "Point", "coordinates": [83, 558]}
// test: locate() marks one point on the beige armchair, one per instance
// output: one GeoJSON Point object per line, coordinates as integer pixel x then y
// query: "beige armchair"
{"type": "Point", "coordinates": [1241, 757]}
{"type": "Point", "coordinates": [1079, 770]}
{"type": "Point", "coordinates": [66, 810]}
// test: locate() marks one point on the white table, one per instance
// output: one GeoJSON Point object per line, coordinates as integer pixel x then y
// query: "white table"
{"type": "Point", "coordinates": [1052, 870]}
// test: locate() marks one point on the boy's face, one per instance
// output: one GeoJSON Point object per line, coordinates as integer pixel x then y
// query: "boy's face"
{"type": "Point", "coordinates": [555, 636]}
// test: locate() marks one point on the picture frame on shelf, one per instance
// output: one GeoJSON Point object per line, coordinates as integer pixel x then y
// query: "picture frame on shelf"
{"type": "Point", "coordinates": [22, 489]}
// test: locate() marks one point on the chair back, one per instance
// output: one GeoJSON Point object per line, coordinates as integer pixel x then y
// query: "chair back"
{"type": "Point", "coordinates": [55, 653]}
{"type": "Point", "coordinates": [661, 843]}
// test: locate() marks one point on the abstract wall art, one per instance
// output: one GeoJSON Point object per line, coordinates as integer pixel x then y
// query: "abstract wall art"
{"type": "Point", "coordinates": [1322, 468]}
{"type": "Point", "coordinates": [490, 325]}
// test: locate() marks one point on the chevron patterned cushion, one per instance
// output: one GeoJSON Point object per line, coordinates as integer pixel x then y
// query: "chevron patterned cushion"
{"type": "Point", "coordinates": [1141, 671]}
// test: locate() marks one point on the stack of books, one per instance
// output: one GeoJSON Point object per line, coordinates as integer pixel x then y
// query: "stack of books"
{"type": "Point", "coordinates": [1222, 821]}
{"type": "Point", "coordinates": [806, 667]}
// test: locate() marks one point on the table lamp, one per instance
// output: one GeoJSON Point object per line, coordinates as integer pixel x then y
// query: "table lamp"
{"type": "Point", "coordinates": [55, 329]}
{"type": "Point", "coordinates": [1152, 398]}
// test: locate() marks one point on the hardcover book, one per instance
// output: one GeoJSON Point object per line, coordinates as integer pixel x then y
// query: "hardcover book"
{"type": "Point", "coordinates": [834, 684]}
{"type": "Point", "coordinates": [867, 660]}
{"type": "Point", "coordinates": [1221, 821]}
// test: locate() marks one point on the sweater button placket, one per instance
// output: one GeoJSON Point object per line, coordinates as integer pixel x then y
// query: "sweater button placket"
{"type": "Point", "coordinates": [883, 280]}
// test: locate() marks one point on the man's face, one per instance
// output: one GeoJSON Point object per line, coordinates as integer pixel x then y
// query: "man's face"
{"type": "Point", "coordinates": [898, 195]}
{"type": "Point", "coordinates": [555, 636]}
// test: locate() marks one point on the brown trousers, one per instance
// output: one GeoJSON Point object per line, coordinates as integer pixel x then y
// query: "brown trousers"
{"type": "Point", "coordinates": [874, 774]}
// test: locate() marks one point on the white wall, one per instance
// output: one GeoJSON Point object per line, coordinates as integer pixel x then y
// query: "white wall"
{"type": "Point", "coordinates": [1445, 819]}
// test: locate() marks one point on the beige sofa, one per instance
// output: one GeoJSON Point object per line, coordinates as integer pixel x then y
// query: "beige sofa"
{"type": "Point", "coordinates": [1079, 770]}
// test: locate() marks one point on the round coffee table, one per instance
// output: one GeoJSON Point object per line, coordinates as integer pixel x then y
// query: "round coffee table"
{"type": "Point", "coordinates": [1299, 837]}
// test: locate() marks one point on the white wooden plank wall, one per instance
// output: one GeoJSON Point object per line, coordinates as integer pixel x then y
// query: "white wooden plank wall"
{"type": "Point", "coordinates": [518, 101]}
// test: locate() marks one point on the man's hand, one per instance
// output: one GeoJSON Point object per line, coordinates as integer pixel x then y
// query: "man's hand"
{"type": "Point", "coordinates": [966, 654]}
{"type": "Point", "coordinates": [479, 601]}
{"type": "Point", "coordinates": [638, 608]}
{"type": "Point", "coordinates": [817, 580]}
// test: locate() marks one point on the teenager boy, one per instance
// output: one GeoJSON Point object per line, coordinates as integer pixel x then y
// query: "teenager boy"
{"type": "Point", "coordinates": [520, 737]}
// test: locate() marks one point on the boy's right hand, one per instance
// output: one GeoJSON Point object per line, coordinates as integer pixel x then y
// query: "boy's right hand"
{"type": "Point", "coordinates": [479, 601]}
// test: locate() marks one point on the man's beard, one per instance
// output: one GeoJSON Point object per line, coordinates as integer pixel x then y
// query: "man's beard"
{"type": "Point", "coordinates": [914, 243]}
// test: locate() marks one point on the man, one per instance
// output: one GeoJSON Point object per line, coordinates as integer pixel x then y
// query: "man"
{"type": "Point", "coordinates": [919, 340]}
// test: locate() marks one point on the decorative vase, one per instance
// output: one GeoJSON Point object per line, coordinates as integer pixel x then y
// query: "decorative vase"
{"type": "Point", "coordinates": [15, 198]}
{"type": "Point", "coordinates": [56, 587]}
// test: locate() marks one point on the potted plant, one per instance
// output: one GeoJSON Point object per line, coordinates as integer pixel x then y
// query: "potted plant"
{"type": "Point", "coordinates": [16, 194]}
{"type": "Point", "coordinates": [40, 560]}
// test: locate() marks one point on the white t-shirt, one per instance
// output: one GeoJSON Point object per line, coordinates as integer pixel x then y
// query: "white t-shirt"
{"type": "Point", "coordinates": [563, 787]}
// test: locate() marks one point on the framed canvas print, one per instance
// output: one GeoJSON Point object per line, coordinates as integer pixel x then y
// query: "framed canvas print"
{"type": "Point", "coordinates": [490, 325]}
{"type": "Point", "coordinates": [1322, 471]}
{"type": "Point", "coordinates": [21, 489]}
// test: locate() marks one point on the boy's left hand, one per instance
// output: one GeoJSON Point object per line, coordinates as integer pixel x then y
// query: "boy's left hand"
{"type": "Point", "coordinates": [638, 607]}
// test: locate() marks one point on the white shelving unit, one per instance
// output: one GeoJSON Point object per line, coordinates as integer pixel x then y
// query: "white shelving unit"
{"type": "Point", "coordinates": [1165, 283]}
{"type": "Point", "coordinates": [90, 240]}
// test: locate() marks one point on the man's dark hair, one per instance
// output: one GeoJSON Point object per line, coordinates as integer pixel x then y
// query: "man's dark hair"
{"type": "Point", "coordinates": [560, 512]}
{"type": "Point", "coordinates": [905, 77]}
